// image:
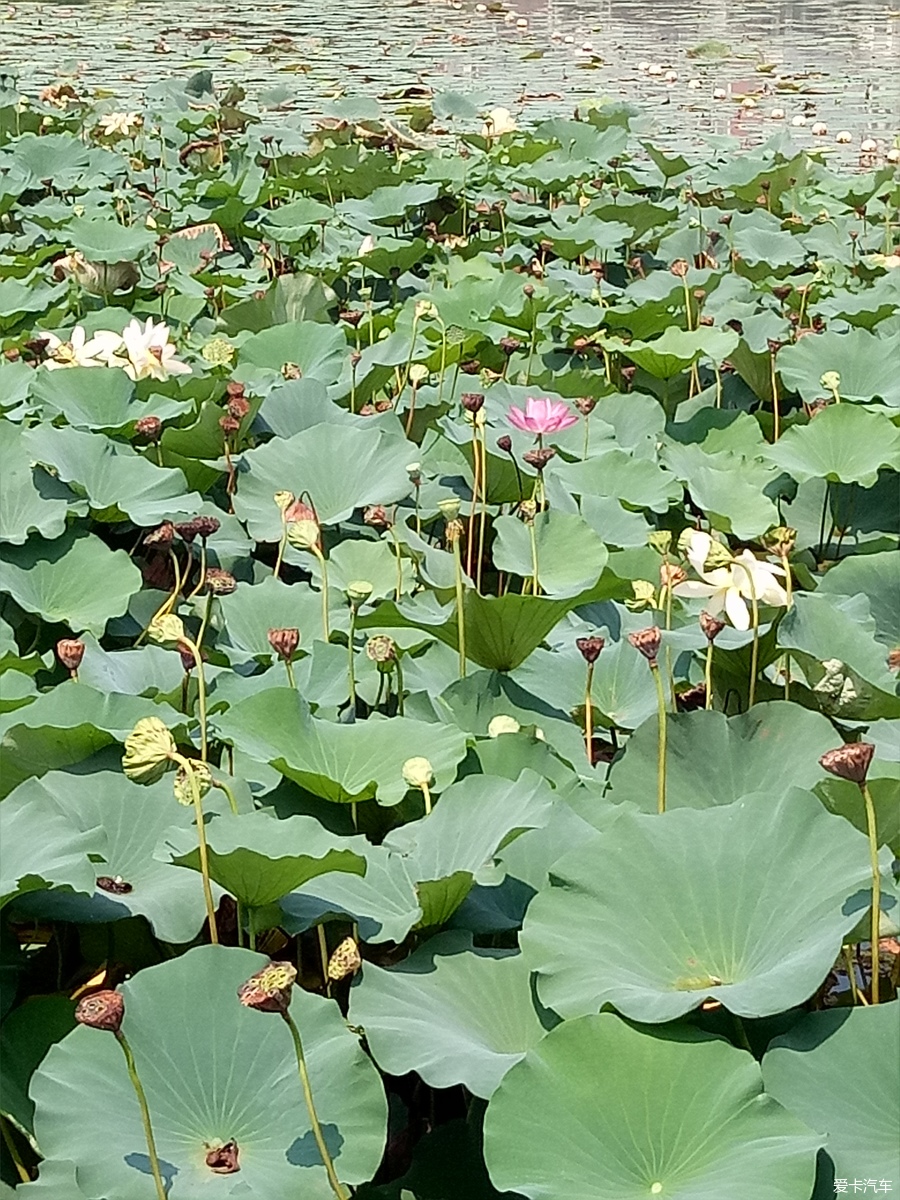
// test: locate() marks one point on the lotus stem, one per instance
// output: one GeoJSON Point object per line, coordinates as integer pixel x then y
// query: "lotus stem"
{"type": "Point", "coordinates": [708, 675]}
{"type": "Point", "coordinates": [351, 669]}
{"type": "Point", "coordinates": [290, 673]}
{"type": "Point", "coordinates": [789, 591]}
{"type": "Point", "coordinates": [223, 787]}
{"type": "Point", "coordinates": [776, 409]}
{"type": "Point", "coordinates": [201, 693]}
{"type": "Point", "coordinates": [317, 551]}
{"type": "Point", "coordinates": [460, 607]}
{"type": "Point", "coordinates": [589, 716]}
{"type": "Point", "coordinates": [399, 671]}
{"type": "Point", "coordinates": [476, 488]}
{"type": "Point", "coordinates": [320, 933]}
{"type": "Point", "coordinates": [535, 586]}
{"type": "Point", "coordinates": [145, 1114]}
{"type": "Point", "coordinates": [754, 650]}
{"type": "Point", "coordinates": [198, 586]}
{"type": "Point", "coordinates": [661, 745]}
{"type": "Point", "coordinates": [670, 674]}
{"type": "Point", "coordinates": [872, 830]}
{"type": "Point", "coordinates": [333, 1180]}
{"type": "Point", "coordinates": [399, 554]}
{"type": "Point", "coordinates": [21, 1169]}
{"type": "Point", "coordinates": [201, 842]}
{"type": "Point", "coordinates": [282, 545]}
{"type": "Point", "coordinates": [483, 517]}
{"type": "Point", "coordinates": [850, 968]}
{"type": "Point", "coordinates": [426, 795]}
{"type": "Point", "coordinates": [204, 621]}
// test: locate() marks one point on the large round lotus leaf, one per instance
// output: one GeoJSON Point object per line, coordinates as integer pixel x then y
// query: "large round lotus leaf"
{"type": "Point", "coordinates": [878, 577]}
{"type": "Point", "coordinates": [213, 1072]}
{"type": "Point", "coordinates": [837, 1071]}
{"type": "Point", "coordinates": [713, 759]}
{"type": "Point", "coordinates": [341, 763]}
{"type": "Point", "coordinates": [846, 443]}
{"type": "Point", "coordinates": [863, 361]}
{"type": "Point", "coordinates": [123, 821]}
{"type": "Point", "coordinates": [449, 1013]}
{"type": "Point", "coordinates": [25, 1037]}
{"type": "Point", "coordinates": [601, 1111]}
{"type": "Point", "coordinates": [41, 849]}
{"type": "Point", "coordinates": [87, 397]}
{"type": "Point", "coordinates": [747, 903]}
{"type": "Point", "coordinates": [318, 350]}
{"type": "Point", "coordinates": [250, 612]}
{"type": "Point", "coordinates": [31, 504]}
{"type": "Point", "coordinates": [343, 467]}
{"type": "Point", "coordinates": [75, 580]}
{"type": "Point", "coordinates": [570, 555]}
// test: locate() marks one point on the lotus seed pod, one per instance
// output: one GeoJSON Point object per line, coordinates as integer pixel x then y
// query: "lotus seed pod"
{"type": "Point", "coordinates": [644, 596]}
{"type": "Point", "coordinates": [184, 792]}
{"type": "Point", "coordinates": [269, 990]}
{"type": "Point", "coordinates": [345, 960]}
{"type": "Point", "coordinates": [377, 516]}
{"type": "Point", "coordinates": [449, 508]}
{"type": "Point", "coordinates": [453, 531]}
{"type": "Point", "coordinates": [219, 582]}
{"type": "Point", "coordinates": [148, 751]}
{"type": "Point", "coordinates": [509, 345]}
{"type": "Point", "coordinates": [843, 138]}
{"type": "Point", "coordinates": [417, 772]}
{"type": "Point", "coordinates": [425, 310]}
{"type": "Point", "coordinates": [868, 146]}
{"type": "Point", "coordinates": [850, 761]}
{"type": "Point", "coordinates": [647, 642]}
{"type": "Point", "coordinates": [284, 500]}
{"type": "Point", "coordinates": [781, 540]}
{"type": "Point", "coordinates": [359, 590]}
{"type": "Point", "coordinates": [414, 471]}
{"type": "Point", "coordinates": [70, 652]}
{"type": "Point", "coordinates": [711, 625]}
{"type": "Point", "coordinates": [166, 630]}
{"type": "Point", "coordinates": [777, 114]}
{"type": "Point", "coordinates": [381, 649]}
{"type": "Point", "coordinates": [218, 352]}
{"type": "Point", "coordinates": [149, 428]}
{"type": "Point", "coordinates": [472, 402]}
{"type": "Point", "coordinates": [660, 540]}
{"type": "Point", "coordinates": [503, 724]}
{"type": "Point", "coordinates": [224, 1160]}
{"type": "Point", "coordinates": [590, 647]}
{"type": "Point", "coordinates": [717, 556]}
{"type": "Point", "coordinates": [585, 405]}
{"type": "Point", "coordinates": [207, 526]}
{"type": "Point", "coordinates": [504, 443]}
{"type": "Point", "coordinates": [163, 535]}
{"type": "Point", "coordinates": [798, 120]}
{"type": "Point", "coordinates": [102, 1010]}
{"type": "Point", "coordinates": [671, 574]}
{"type": "Point", "coordinates": [284, 642]}
{"type": "Point", "coordinates": [303, 531]}
{"type": "Point", "coordinates": [114, 884]}
{"type": "Point", "coordinates": [830, 380]}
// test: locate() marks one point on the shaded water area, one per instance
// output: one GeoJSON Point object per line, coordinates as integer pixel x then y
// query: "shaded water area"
{"type": "Point", "coordinates": [819, 60]}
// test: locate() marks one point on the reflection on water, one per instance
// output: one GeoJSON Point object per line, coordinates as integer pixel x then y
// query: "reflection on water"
{"type": "Point", "coordinates": [828, 62]}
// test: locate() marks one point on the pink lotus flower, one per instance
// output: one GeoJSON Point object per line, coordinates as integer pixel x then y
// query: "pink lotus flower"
{"type": "Point", "coordinates": [542, 416]}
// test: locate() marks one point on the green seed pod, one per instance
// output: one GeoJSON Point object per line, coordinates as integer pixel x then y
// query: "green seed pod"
{"type": "Point", "coordinates": [148, 751]}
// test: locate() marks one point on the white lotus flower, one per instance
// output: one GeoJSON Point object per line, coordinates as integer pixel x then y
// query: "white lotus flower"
{"type": "Point", "coordinates": [497, 122]}
{"type": "Point", "coordinates": [728, 588]}
{"type": "Point", "coordinates": [82, 351]}
{"type": "Point", "coordinates": [123, 124]}
{"type": "Point", "coordinates": [366, 246]}
{"type": "Point", "coordinates": [150, 353]}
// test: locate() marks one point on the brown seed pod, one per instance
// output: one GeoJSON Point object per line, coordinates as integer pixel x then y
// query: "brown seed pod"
{"type": "Point", "coordinates": [647, 642]}
{"type": "Point", "coordinates": [101, 1010]}
{"type": "Point", "coordinates": [711, 625]}
{"type": "Point", "coordinates": [345, 960]}
{"type": "Point", "coordinates": [223, 1160]}
{"type": "Point", "coordinates": [590, 647]}
{"type": "Point", "coordinates": [269, 990]}
{"type": "Point", "coordinates": [219, 582]}
{"type": "Point", "coordinates": [850, 761]}
{"type": "Point", "coordinates": [70, 652]}
{"type": "Point", "coordinates": [284, 642]}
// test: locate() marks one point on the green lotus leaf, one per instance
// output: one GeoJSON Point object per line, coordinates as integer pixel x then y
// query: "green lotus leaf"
{"type": "Point", "coordinates": [376, 562]}
{"type": "Point", "coordinates": [250, 612]}
{"type": "Point", "coordinates": [113, 477]}
{"type": "Point", "coordinates": [452, 1014]}
{"type": "Point", "coordinates": [340, 763]}
{"type": "Point", "coordinates": [877, 576]}
{"type": "Point", "coordinates": [108, 241]}
{"type": "Point", "coordinates": [291, 299]}
{"type": "Point", "coordinates": [732, 490]}
{"type": "Point", "coordinates": [638, 482]}
{"type": "Point", "coordinates": [25, 1037]}
{"type": "Point", "coordinates": [845, 443]}
{"type": "Point", "coordinates": [342, 468]}
{"type": "Point", "coordinates": [88, 397]}
{"type": "Point", "coordinates": [863, 360]}
{"type": "Point", "coordinates": [42, 850]}
{"type": "Point", "coordinates": [259, 859]}
{"type": "Point", "coordinates": [570, 556]}
{"type": "Point", "coordinates": [746, 903]}
{"type": "Point", "coordinates": [75, 580]}
{"type": "Point", "coordinates": [124, 822]}
{"type": "Point", "coordinates": [625, 1114]}
{"type": "Point", "coordinates": [713, 759]}
{"type": "Point", "coordinates": [667, 355]}
{"type": "Point", "coordinates": [445, 852]}
{"type": "Point", "coordinates": [837, 1071]}
{"type": "Point", "coordinates": [318, 350]}
{"type": "Point", "coordinates": [213, 1072]}
{"type": "Point", "coordinates": [31, 503]}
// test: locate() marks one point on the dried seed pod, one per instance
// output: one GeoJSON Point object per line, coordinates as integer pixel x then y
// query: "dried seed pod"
{"type": "Point", "coordinates": [585, 405]}
{"type": "Point", "coordinates": [149, 428]}
{"type": "Point", "coordinates": [381, 649]}
{"type": "Point", "coordinates": [472, 402]}
{"type": "Point", "coordinates": [539, 458]}
{"type": "Point", "coordinates": [163, 535]}
{"type": "Point", "coordinates": [647, 642]}
{"type": "Point", "coordinates": [711, 625]}
{"type": "Point", "coordinates": [207, 526]}
{"type": "Point", "coordinates": [345, 960]}
{"type": "Point", "coordinates": [590, 648]}
{"type": "Point", "coordinates": [671, 574]}
{"type": "Point", "coordinates": [377, 516]}
{"type": "Point", "coordinates": [509, 345]}
{"type": "Point", "coordinates": [70, 652]}
{"type": "Point", "coordinates": [101, 1010]}
{"type": "Point", "coordinates": [269, 990]}
{"type": "Point", "coordinates": [284, 642]}
{"type": "Point", "coordinates": [223, 1160]}
{"type": "Point", "coordinates": [850, 761]}
{"type": "Point", "coordinates": [219, 582]}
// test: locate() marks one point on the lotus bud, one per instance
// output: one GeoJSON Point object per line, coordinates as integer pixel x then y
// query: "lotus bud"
{"type": "Point", "coordinates": [377, 516]}
{"type": "Point", "coordinates": [344, 961]}
{"type": "Point", "coordinates": [472, 402]}
{"type": "Point", "coordinates": [303, 529]}
{"type": "Point", "coordinates": [382, 650]}
{"type": "Point", "coordinates": [223, 1160]}
{"type": "Point", "coordinates": [149, 428]}
{"type": "Point", "coordinates": [449, 508]}
{"type": "Point", "coordinates": [207, 526]}
{"type": "Point", "coordinates": [101, 1010]}
{"type": "Point", "coordinates": [163, 535]}
{"type": "Point", "coordinates": [219, 582]}
{"type": "Point", "coordinates": [284, 500]}
{"type": "Point", "coordinates": [539, 458]}
{"type": "Point", "coordinates": [149, 749]}
{"type": "Point", "coordinates": [503, 724]}
{"type": "Point", "coordinates": [585, 405]}
{"type": "Point", "coordinates": [284, 642]}
{"type": "Point", "coordinates": [711, 625]}
{"type": "Point", "coordinates": [269, 990]}
{"type": "Point", "coordinates": [417, 772]}
{"type": "Point", "coordinates": [166, 630]}
{"type": "Point", "coordinates": [660, 540]}
{"type": "Point", "coordinates": [670, 575]}
{"type": "Point", "coordinates": [590, 648]}
{"type": "Point", "coordinates": [358, 591]}
{"type": "Point", "coordinates": [70, 652]}
{"type": "Point", "coordinates": [184, 793]}
{"type": "Point", "coordinates": [647, 642]}
{"type": "Point", "coordinates": [850, 762]}
{"type": "Point", "coordinates": [504, 443]}
{"type": "Point", "coordinates": [644, 596]}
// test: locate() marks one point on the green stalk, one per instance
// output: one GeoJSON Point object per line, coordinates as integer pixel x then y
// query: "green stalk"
{"type": "Point", "coordinates": [317, 551]}
{"type": "Point", "coordinates": [872, 830]}
{"type": "Point", "coordinates": [201, 693]}
{"type": "Point", "coordinates": [351, 671]}
{"type": "Point", "coordinates": [661, 751]}
{"type": "Point", "coordinates": [333, 1180]}
{"type": "Point", "coordinates": [399, 688]}
{"type": "Point", "coordinates": [589, 716]}
{"type": "Point", "coordinates": [290, 673]}
{"type": "Point", "coordinates": [708, 675]}
{"type": "Point", "coordinates": [754, 651]}
{"type": "Point", "coordinates": [201, 841]}
{"type": "Point", "coordinates": [535, 589]}
{"type": "Point", "coordinates": [282, 545]}
{"type": "Point", "coordinates": [145, 1114]}
{"type": "Point", "coordinates": [223, 786]}
{"type": "Point", "coordinates": [426, 794]}
{"type": "Point", "coordinates": [460, 608]}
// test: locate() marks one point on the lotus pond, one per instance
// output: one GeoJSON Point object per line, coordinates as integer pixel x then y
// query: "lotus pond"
{"type": "Point", "coordinates": [449, 648]}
